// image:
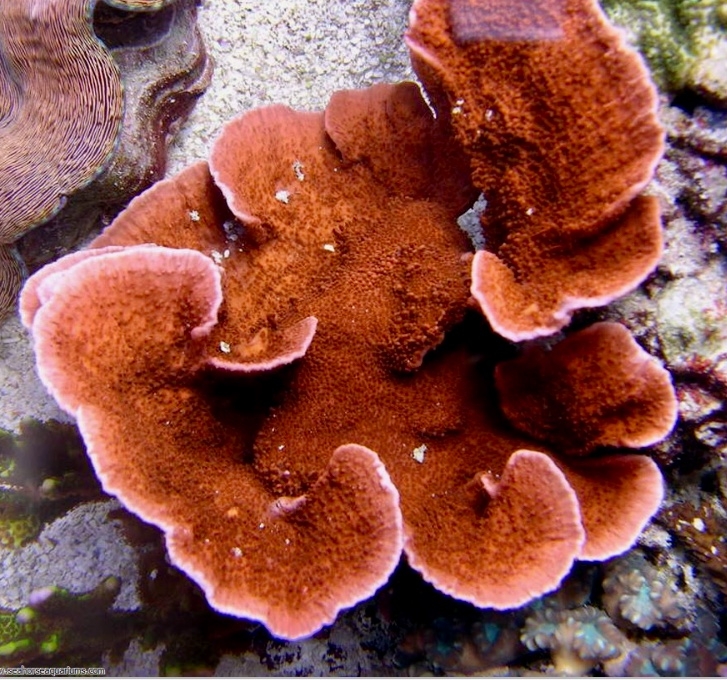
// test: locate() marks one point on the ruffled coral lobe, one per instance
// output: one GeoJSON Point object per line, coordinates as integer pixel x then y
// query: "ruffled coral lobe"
{"type": "Point", "coordinates": [558, 118]}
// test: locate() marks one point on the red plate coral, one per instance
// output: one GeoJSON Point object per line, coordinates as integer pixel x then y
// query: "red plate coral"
{"type": "Point", "coordinates": [272, 358]}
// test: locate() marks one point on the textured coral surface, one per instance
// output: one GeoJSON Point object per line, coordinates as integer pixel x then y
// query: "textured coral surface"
{"type": "Point", "coordinates": [325, 233]}
{"type": "Point", "coordinates": [562, 135]}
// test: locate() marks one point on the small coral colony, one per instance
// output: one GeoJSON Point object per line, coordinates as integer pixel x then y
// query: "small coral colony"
{"type": "Point", "coordinates": [287, 357]}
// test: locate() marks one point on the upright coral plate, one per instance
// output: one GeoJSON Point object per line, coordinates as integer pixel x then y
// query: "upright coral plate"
{"type": "Point", "coordinates": [559, 119]}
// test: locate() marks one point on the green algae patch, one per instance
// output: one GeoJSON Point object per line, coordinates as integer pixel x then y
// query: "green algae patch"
{"type": "Point", "coordinates": [19, 520]}
{"type": "Point", "coordinates": [14, 636]}
{"type": "Point", "coordinates": [683, 41]}
{"type": "Point", "coordinates": [18, 530]}
{"type": "Point", "coordinates": [58, 624]}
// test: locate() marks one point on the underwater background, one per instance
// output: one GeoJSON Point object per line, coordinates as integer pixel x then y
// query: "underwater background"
{"type": "Point", "coordinates": [84, 582]}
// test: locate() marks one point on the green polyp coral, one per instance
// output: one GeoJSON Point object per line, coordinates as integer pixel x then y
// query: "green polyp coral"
{"type": "Point", "coordinates": [638, 593]}
{"type": "Point", "coordinates": [18, 527]}
{"type": "Point", "coordinates": [662, 40]}
{"type": "Point", "coordinates": [683, 41]}
{"type": "Point", "coordinates": [578, 639]}
{"type": "Point", "coordinates": [14, 635]}
{"type": "Point", "coordinates": [22, 635]}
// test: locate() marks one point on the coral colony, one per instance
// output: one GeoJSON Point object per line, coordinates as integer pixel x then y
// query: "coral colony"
{"type": "Point", "coordinates": [280, 356]}
{"type": "Point", "coordinates": [46, 161]}
{"type": "Point", "coordinates": [77, 114]}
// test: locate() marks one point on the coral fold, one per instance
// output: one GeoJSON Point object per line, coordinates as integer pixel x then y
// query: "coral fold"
{"type": "Point", "coordinates": [595, 388]}
{"type": "Point", "coordinates": [617, 495]}
{"type": "Point", "coordinates": [491, 558]}
{"type": "Point", "coordinates": [559, 119]}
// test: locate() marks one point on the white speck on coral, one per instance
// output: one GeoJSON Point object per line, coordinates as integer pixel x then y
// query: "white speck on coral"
{"type": "Point", "coordinates": [261, 525]}
{"type": "Point", "coordinates": [714, 550]}
{"type": "Point", "coordinates": [287, 541]}
{"type": "Point", "coordinates": [698, 524]}
{"type": "Point", "coordinates": [194, 216]}
{"type": "Point", "coordinates": [226, 254]}
{"type": "Point", "coordinates": [281, 447]}
{"type": "Point", "coordinates": [298, 170]}
{"type": "Point", "coordinates": [283, 196]}
{"type": "Point", "coordinates": [236, 552]}
{"type": "Point", "coordinates": [225, 347]}
{"type": "Point", "coordinates": [488, 114]}
{"type": "Point", "coordinates": [529, 211]}
{"type": "Point", "coordinates": [329, 247]}
{"type": "Point", "coordinates": [217, 257]}
{"type": "Point", "coordinates": [418, 453]}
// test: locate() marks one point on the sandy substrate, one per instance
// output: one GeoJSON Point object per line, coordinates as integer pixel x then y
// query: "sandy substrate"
{"type": "Point", "coordinates": [294, 52]}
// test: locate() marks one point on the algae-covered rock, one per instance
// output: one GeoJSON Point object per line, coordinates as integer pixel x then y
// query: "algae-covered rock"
{"type": "Point", "coordinates": [43, 473]}
{"type": "Point", "coordinates": [691, 322]}
{"type": "Point", "coordinates": [74, 552]}
{"type": "Point", "coordinates": [55, 623]}
{"type": "Point", "coordinates": [684, 41]}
